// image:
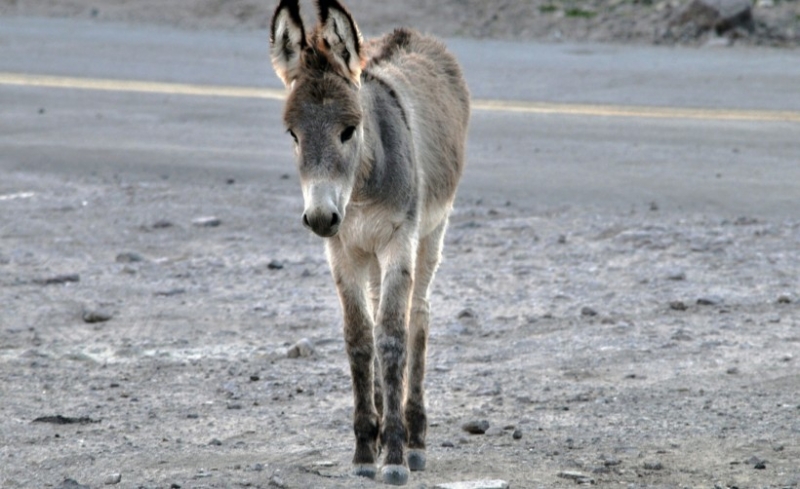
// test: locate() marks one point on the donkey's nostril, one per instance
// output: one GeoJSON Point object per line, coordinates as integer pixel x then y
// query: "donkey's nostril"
{"type": "Point", "coordinates": [305, 221]}
{"type": "Point", "coordinates": [335, 219]}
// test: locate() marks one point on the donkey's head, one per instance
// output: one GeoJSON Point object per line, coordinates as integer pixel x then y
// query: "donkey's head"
{"type": "Point", "coordinates": [323, 74]}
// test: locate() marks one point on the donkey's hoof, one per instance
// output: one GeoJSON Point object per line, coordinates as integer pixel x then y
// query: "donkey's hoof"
{"type": "Point", "coordinates": [416, 460]}
{"type": "Point", "coordinates": [365, 470]}
{"type": "Point", "coordinates": [396, 475]}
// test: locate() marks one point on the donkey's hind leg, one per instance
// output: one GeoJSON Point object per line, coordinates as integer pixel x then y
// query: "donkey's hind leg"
{"type": "Point", "coordinates": [428, 256]}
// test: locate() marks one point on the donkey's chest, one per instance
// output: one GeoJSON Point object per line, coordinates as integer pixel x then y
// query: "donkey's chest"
{"type": "Point", "coordinates": [370, 229]}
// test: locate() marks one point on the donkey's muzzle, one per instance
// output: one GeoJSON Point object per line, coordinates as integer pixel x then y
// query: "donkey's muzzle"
{"type": "Point", "coordinates": [323, 222]}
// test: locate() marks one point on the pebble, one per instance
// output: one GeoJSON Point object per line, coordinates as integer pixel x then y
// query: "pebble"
{"type": "Point", "coordinates": [113, 479]}
{"type": "Point", "coordinates": [517, 434]}
{"type": "Point", "coordinates": [170, 292]}
{"type": "Point", "coordinates": [653, 466]}
{"type": "Point", "coordinates": [711, 300]}
{"type": "Point", "coordinates": [71, 484]}
{"type": "Point", "coordinates": [732, 371]}
{"type": "Point", "coordinates": [588, 311]}
{"type": "Point", "coordinates": [785, 299]}
{"type": "Point", "coordinates": [59, 279]}
{"type": "Point", "coordinates": [276, 481]}
{"type": "Point", "coordinates": [206, 222]}
{"type": "Point", "coordinates": [215, 442]}
{"type": "Point", "coordinates": [162, 224]}
{"type": "Point", "coordinates": [129, 257]}
{"type": "Point", "coordinates": [96, 316]}
{"type": "Point", "coordinates": [578, 477]}
{"type": "Point", "coordinates": [676, 274]}
{"type": "Point", "coordinates": [476, 427]}
{"type": "Point", "coordinates": [275, 265]}
{"type": "Point", "coordinates": [448, 444]}
{"type": "Point", "coordinates": [302, 349]}
{"type": "Point", "coordinates": [677, 306]}
{"type": "Point", "coordinates": [476, 484]}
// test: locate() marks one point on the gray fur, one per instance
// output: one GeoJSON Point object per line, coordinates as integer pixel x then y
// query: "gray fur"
{"type": "Point", "coordinates": [380, 153]}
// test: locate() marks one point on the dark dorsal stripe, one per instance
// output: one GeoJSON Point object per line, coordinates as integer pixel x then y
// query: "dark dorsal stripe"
{"type": "Point", "coordinates": [367, 75]}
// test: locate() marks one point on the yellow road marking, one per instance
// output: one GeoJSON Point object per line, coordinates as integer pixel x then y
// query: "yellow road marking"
{"type": "Point", "coordinates": [595, 110]}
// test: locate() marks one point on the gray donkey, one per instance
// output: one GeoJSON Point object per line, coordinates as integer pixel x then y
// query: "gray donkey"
{"type": "Point", "coordinates": [379, 129]}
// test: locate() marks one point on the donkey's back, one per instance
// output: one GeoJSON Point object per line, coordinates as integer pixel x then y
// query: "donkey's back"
{"type": "Point", "coordinates": [429, 85]}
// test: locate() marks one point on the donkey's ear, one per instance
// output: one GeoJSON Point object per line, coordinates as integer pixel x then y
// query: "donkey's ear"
{"type": "Point", "coordinates": [340, 38]}
{"type": "Point", "coordinates": [287, 39]}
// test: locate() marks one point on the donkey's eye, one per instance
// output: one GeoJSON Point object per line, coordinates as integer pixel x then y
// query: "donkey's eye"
{"type": "Point", "coordinates": [347, 134]}
{"type": "Point", "coordinates": [294, 136]}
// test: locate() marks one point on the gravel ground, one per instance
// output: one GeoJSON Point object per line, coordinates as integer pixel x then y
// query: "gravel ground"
{"type": "Point", "coordinates": [640, 349]}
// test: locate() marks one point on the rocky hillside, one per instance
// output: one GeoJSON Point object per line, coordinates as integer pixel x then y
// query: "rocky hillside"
{"type": "Point", "coordinates": [691, 22]}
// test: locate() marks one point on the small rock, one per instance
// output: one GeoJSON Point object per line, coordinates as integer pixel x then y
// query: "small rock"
{"type": "Point", "coordinates": [711, 300]}
{"type": "Point", "coordinates": [732, 371]}
{"type": "Point", "coordinates": [206, 222]}
{"type": "Point", "coordinates": [578, 477]}
{"type": "Point", "coordinates": [477, 484]}
{"type": "Point", "coordinates": [448, 444]}
{"type": "Point", "coordinates": [174, 485]}
{"type": "Point", "coordinates": [677, 306]}
{"type": "Point", "coordinates": [170, 292]}
{"type": "Point", "coordinates": [476, 427]}
{"type": "Point", "coordinates": [760, 466]}
{"type": "Point", "coordinates": [96, 316]}
{"type": "Point", "coordinates": [216, 442]}
{"type": "Point", "coordinates": [681, 335]}
{"type": "Point", "coordinates": [517, 434]}
{"type": "Point", "coordinates": [71, 484]}
{"type": "Point", "coordinates": [653, 466]}
{"type": "Point", "coordinates": [275, 265]}
{"type": "Point", "coordinates": [254, 378]}
{"type": "Point", "coordinates": [785, 299]}
{"type": "Point", "coordinates": [302, 349]}
{"type": "Point", "coordinates": [676, 274]}
{"type": "Point", "coordinates": [129, 257]}
{"type": "Point", "coordinates": [59, 279]}
{"type": "Point", "coordinates": [588, 311]}
{"type": "Point", "coordinates": [113, 479]}
{"type": "Point", "coordinates": [192, 416]}
{"type": "Point", "coordinates": [162, 224]}
{"type": "Point", "coordinates": [467, 314]}
{"type": "Point", "coordinates": [276, 481]}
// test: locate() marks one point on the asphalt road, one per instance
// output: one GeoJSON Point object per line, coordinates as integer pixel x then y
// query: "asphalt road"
{"type": "Point", "coordinates": [710, 130]}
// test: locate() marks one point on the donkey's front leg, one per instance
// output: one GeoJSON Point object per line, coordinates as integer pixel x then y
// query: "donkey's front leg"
{"type": "Point", "coordinates": [397, 266]}
{"type": "Point", "coordinates": [350, 274]}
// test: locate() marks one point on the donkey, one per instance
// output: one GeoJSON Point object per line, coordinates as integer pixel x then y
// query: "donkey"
{"type": "Point", "coordinates": [379, 131]}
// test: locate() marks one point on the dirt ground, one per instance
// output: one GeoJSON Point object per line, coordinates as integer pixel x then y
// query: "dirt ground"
{"type": "Point", "coordinates": [637, 349]}
{"type": "Point", "coordinates": [624, 349]}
